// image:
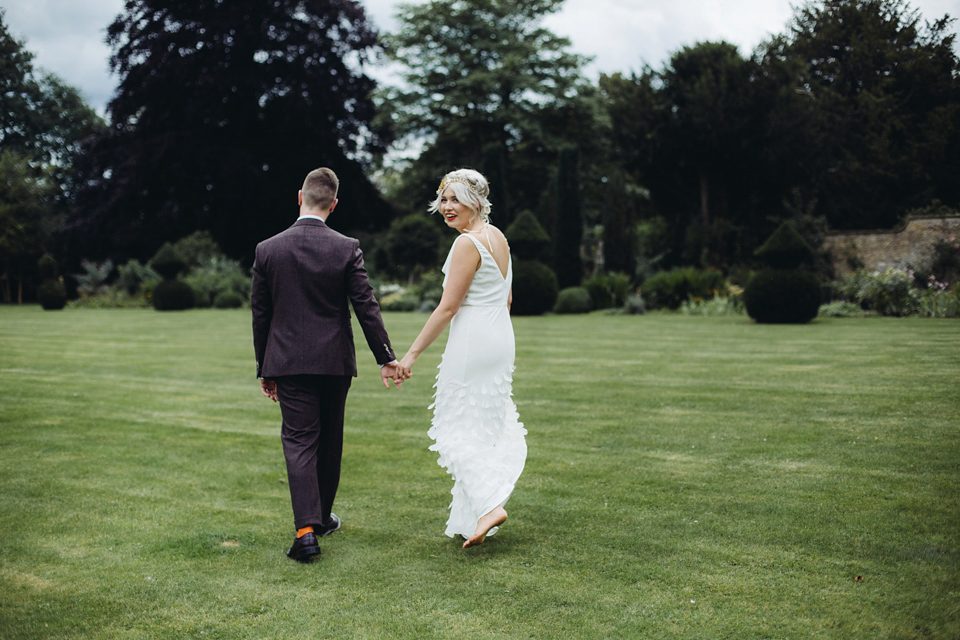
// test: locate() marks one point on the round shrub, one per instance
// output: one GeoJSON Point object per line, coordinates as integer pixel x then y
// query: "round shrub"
{"type": "Point", "coordinates": [534, 288]}
{"type": "Point", "coordinates": [228, 300]}
{"type": "Point", "coordinates": [52, 295]}
{"type": "Point", "coordinates": [573, 300]}
{"type": "Point", "coordinates": [400, 301]}
{"type": "Point", "coordinates": [779, 296]}
{"type": "Point", "coordinates": [173, 295]}
{"type": "Point", "coordinates": [608, 289]}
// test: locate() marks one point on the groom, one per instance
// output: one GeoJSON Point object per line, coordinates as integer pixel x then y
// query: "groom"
{"type": "Point", "coordinates": [302, 280]}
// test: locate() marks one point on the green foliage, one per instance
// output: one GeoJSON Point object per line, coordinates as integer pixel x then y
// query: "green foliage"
{"type": "Point", "coordinates": [52, 295]}
{"type": "Point", "coordinates": [715, 306]}
{"type": "Point", "coordinates": [892, 292]}
{"type": "Point", "coordinates": [504, 78]}
{"type": "Point", "coordinates": [573, 300]}
{"type": "Point", "coordinates": [527, 238]}
{"type": "Point", "coordinates": [93, 280]}
{"type": "Point", "coordinates": [608, 289]}
{"type": "Point", "coordinates": [634, 305]}
{"type": "Point", "coordinates": [842, 309]}
{"type": "Point", "coordinates": [782, 296]}
{"type": "Point", "coordinates": [670, 289]}
{"type": "Point", "coordinates": [411, 244]}
{"type": "Point", "coordinates": [168, 262]}
{"type": "Point", "coordinates": [534, 288]}
{"type": "Point", "coordinates": [47, 267]}
{"type": "Point", "coordinates": [403, 300]}
{"type": "Point", "coordinates": [235, 78]}
{"type": "Point", "coordinates": [785, 249]}
{"type": "Point", "coordinates": [216, 276]}
{"type": "Point", "coordinates": [945, 264]}
{"type": "Point", "coordinates": [133, 276]}
{"type": "Point", "coordinates": [173, 295]}
{"type": "Point", "coordinates": [197, 249]}
{"type": "Point", "coordinates": [568, 228]}
{"type": "Point", "coordinates": [228, 300]}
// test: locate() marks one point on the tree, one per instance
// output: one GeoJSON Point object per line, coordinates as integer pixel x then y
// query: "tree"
{"type": "Point", "coordinates": [411, 243]}
{"type": "Point", "coordinates": [886, 93]}
{"type": "Point", "coordinates": [221, 109]}
{"type": "Point", "coordinates": [480, 78]}
{"type": "Point", "coordinates": [42, 124]}
{"type": "Point", "coordinates": [569, 224]}
{"type": "Point", "coordinates": [25, 205]}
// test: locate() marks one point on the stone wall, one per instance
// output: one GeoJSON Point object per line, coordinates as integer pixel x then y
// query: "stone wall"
{"type": "Point", "coordinates": [911, 246]}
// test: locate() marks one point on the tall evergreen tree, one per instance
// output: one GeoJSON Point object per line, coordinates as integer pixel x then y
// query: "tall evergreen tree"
{"type": "Point", "coordinates": [480, 75]}
{"type": "Point", "coordinates": [221, 109]}
{"type": "Point", "coordinates": [569, 225]}
{"type": "Point", "coordinates": [885, 86]}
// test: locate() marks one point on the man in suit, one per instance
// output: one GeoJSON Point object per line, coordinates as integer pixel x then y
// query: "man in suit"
{"type": "Point", "coordinates": [302, 280]}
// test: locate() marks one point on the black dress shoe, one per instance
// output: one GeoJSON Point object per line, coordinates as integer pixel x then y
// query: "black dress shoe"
{"type": "Point", "coordinates": [304, 548]}
{"type": "Point", "coordinates": [330, 527]}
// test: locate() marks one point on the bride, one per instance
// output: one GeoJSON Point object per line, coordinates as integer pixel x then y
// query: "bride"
{"type": "Point", "coordinates": [475, 427]}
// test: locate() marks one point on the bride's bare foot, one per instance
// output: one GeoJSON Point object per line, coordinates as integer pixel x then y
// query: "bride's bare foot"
{"type": "Point", "coordinates": [493, 519]}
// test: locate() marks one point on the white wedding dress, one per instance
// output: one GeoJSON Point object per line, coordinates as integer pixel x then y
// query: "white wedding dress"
{"type": "Point", "coordinates": [475, 427]}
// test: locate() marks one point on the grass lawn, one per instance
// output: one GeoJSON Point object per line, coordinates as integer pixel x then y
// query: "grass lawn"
{"type": "Point", "coordinates": [688, 477]}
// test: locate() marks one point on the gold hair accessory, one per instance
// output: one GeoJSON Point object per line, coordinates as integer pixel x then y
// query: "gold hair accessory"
{"type": "Point", "coordinates": [447, 181]}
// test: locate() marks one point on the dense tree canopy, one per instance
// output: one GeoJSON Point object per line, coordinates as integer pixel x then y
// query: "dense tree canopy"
{"type": "Point", "coordinates": [484, 82]}
{"type": "Point", "coordinates": [222, 108]}
{"type": "Point", "coordinates": [886, 86]}
{"type": "Point", "coordinates": [42, 125]}
{"type": "Point", "coordinates": [852, 117]}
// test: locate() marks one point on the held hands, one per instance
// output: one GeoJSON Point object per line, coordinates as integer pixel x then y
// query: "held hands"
{"type": "Point", "coordinates": [405, 367]}
{"type": "Point", "coordinates": [390, 372]}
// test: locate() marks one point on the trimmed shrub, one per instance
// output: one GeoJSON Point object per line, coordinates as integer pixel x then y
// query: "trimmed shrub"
{"type": "Point", "coordinates": [573, 300]}
{"type": "Point", "coordinates": [608, 289]}
{"type": "Point", "coordinates": [534, 288]}
{"type": "Point", "coordinates": [785, 249]}
{"type": "Point", "coordinates": [228, 300]}
{"type": "Point", "coordinates": [400, 301]}
{"type": "Point", "coordinates": [781, 296]}
{"type": "Point", "coordinates": [528, 240]}
{"type": "Point", "coordinates": [167, 262]}
{"type": "Point", "coordinates": [51, 294]}
{"type": "Point", "coordinates": [173, 295]}
{"type": "Point", "coordinates": [672, 288]}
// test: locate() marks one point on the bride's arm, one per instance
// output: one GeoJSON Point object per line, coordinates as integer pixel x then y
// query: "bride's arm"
{"type": "Point", "coordinates": [463, 266]}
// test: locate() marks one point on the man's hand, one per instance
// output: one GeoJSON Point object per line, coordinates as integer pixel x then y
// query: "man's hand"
{"type": "Point", "coordinates": [390, 372]}
{"type": "Point", "coordinates": [269, 389]}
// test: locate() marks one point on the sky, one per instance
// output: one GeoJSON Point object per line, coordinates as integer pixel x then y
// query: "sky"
{"type": "Point", "coordinates": [67, 36]}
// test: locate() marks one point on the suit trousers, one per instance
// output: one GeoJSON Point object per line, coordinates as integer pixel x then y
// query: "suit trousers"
{"type": "Point", "coordinates": [312, 434]}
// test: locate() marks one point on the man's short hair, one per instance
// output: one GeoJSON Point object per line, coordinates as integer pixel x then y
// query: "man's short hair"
{"type": "Point", "coordinates": [320, 189]}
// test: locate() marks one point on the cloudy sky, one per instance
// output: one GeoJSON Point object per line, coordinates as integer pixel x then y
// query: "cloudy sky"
{"type": "Point", "coordinates": [621, 35]}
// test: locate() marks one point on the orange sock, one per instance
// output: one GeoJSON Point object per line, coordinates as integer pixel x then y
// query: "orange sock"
{"type": "Point", "coordinates": [304, 531]}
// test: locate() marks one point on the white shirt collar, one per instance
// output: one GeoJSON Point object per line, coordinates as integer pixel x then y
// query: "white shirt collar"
{"type": "Point", "coordinates": [307, 215]}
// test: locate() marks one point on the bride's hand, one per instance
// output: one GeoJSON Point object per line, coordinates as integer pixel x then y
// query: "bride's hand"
{"type": "Point", "coordinates": [405, 367]}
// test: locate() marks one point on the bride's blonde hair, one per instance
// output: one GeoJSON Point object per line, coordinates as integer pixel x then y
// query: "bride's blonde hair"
{"type": "Point", "coordinates": [470, 187]}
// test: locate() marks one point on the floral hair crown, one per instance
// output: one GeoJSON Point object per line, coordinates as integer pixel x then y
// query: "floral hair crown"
{"type": "Point", "coordinates": [447, 181]}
